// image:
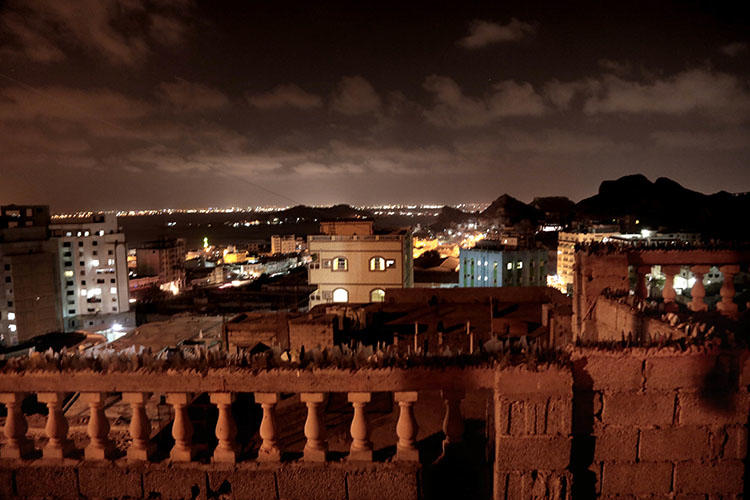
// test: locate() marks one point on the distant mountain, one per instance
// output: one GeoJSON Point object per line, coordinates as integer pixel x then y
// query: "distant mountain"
{"type": "Point", "coordinates": [509, 211]}
{"type": "Point", "coordinates": [666, 204]}
{"type": "Point", "coordinates": [449, 216]}
{"type": "Point", "coordinates": [557, 209]}
{"type": "Point", "coordinates": [306, 213]}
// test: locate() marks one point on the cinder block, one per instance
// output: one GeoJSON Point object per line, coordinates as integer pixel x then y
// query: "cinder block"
{"type": "Point", "coordinates": [616, 444]}
{"type": "Point", "coordinates": [679, 371]}
{"type": "Point", "coordinates": [46, 480]}
{"type": "Point", "coordinates": [532, 453]}
{"type": "Point", "coordinates": [559, 416]}
{"type": "Point", "coordinates": [311, 482]}
{"type": "Point", "coordinates": [173, 481]}
{"type": "Point", "coordinates": [637, 478]}
{"type": "Point", "coordinates": [534, 416]}
{"type": "Point", "coordinates": [536, 484]}
{"type": "Point", "coordinates": [102, 480]}
{"type": "Point", "coordinates": [397, 483]}
{"type": "Point", "coordinates": [6, 483]}
{"type": "Point", "coordinates": [638, 409]}
{"type": "Point", "coordinates": [675, 444]}
{"type": "Point", "coordinates": [609, 373]}
{"type": "Point", "coordinates": [723, 477]}
{"type": "Point", "coordinates": [713, 409]}
{"type": "Point", "coordinates": [734, 442]}
{"type": "Point", "coordinates": [245, 482]}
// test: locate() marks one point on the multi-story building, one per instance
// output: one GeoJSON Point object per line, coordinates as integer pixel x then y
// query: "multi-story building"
{"type": "Point", "coordinates": [489, 265]}
{"type": "Point", "coordinates": [283, 244]}
{"type": "Point", "coordinates": [358, 268]}
{"type": "Point", "coordinates": [347, 227]}
{"type": "Point", "coordinates": [92, 259]}
{"type": "Point", "coordinates": [164, 258]}
{"type": "Point", "coordinates": [566, 249]}
{"type": "Point", "coordinates": [29, 289]}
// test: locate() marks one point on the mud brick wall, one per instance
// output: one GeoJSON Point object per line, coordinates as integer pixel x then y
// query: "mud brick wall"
{"type": "Point", "coordinates": [660, 423]}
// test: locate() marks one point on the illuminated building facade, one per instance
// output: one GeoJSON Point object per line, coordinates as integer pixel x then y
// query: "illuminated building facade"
{"type": "Point", "coordinates": [566, 249]}
{"type": "Point", "coordinates": [93, 273]}
{"type": "Point", "coordinates": [358, 266]}
{"type": "Point", "coordinates": [283, 244]}
{"type": "Point", "coordinates": [165, 259]}
{"type": "Point", "coordinates": [29, 290]}
{"type": "Point", "coordinates": [492, 265]}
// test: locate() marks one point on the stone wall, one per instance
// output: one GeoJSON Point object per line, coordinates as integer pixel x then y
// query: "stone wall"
{"type": "Point", "coordinates": [659, 423]}
{"type": "Point", "coordinates": [628, 423]}
{"type": "Point", "coordinates": [615, 321]}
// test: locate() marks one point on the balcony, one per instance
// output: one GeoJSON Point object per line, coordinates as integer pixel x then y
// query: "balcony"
{"type": "Point", "coordinates": [220, 451]}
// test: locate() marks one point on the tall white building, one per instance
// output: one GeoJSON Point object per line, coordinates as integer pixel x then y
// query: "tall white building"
{"type": "Point", "coordinates": [93, 273]}
{"type": "Point", "coordinates": [283, 244]}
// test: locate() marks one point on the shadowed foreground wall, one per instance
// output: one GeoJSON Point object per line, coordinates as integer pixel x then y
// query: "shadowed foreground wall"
{"type": "Point", "coordinates": [634, 423]}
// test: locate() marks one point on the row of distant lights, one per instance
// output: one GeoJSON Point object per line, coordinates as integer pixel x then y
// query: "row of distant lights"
{"type": "Point", "coordinates": [84, 233]}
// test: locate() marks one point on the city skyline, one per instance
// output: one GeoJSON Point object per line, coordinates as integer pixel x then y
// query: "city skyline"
{"type": "Point", "coordinates": [122, 105]}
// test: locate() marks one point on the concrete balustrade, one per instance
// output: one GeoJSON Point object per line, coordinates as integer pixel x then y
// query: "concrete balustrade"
{"type": "Point", "coordinates": [406, 427]}
{"type": "Point", "coordinates": [141, 449]}
{"type": "Point", "coordinates": [226, 429]}
{"type": "Point", "coordinates": [100, 447]}
{"type": "Point", "coordinates": [361, 448]}
{"type": "Point", "coordinates": [58, 445]}
{"type": "Point", "coordinates": [182, 428]}
{"type": "Point", "coordinates": [316, 445]}
{"type": "Point", "coordinates": [269, 450]}
{"type": "Point", "coordinates": [16, 444]}
{"type": "Point", "coordinates": [453, 424]}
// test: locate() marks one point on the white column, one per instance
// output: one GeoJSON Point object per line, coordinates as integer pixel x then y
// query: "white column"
{"type": "Point", "coordinates": [58, 446]}
{"type": "Point", "coordinates": [698, 292]}
{"type": "Point", "coordinates": [453, 423]}
{"type": "Point", "coordinates": [361, 448]}
{"type": "Point", "coordinates": [406, 427]}
{"type": "Point", "coordinates": [141, 449]}
{"type": "Point", "coordinates": [182, 428]}
{"type": "Point", "coordinates": [727, 307]}
{"type": "Point", "coordinates": [269, 450]}
{"type": "Point", "coordinates": [315, 429]}
{"type": "Point", "coordinates": [100, 447]}
{"type": "Point", "coordinates": [16, 445]}
{"type": "Point", "coordinates": [226, 429]}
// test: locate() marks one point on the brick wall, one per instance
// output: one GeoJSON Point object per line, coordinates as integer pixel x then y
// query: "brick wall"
{"type": "Point", "coordinates": [664, 423]}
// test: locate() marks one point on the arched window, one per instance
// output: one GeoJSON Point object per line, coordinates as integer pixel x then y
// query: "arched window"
{"type": "Point", "coordinates": [377, 264]}
{"type": "Point", "coordinates": [340, 295]}
{"type": "Point", "coordinates": [340, 264]}
{"type": "Point", "coordinates": [377, 295]}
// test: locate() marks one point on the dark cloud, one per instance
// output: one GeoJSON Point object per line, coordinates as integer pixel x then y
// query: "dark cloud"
{"type": "Point", "coordinates": [483, 33]}
{"type": "Point", "coordinates": [287, 95]}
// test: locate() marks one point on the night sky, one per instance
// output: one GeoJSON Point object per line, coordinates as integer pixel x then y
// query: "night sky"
{"type": "Point", "coordinates": [129, 104]}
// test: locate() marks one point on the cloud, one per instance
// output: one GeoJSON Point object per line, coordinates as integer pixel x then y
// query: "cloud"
{"type": "Point", "coordinates": [454, 109]}
{"type": "Point", "coordinates": [283, 96]}
{"type": "Point", "coordinates": [722, 140]}
{"type": "Point", "coordinates": [118, 31]}
{"type": "Point", "coordinates": [734, 49]}
{"type": "Point", "coordinates": [483, 33]}
{"type": "Point", "coordinates": [719, 95]}
{"type": "Point", "coordinates": [561, 94]}
{"type": "Point", "coordinates": [189, 96]}
{"type": "Point", "coordinates": [355, 96]}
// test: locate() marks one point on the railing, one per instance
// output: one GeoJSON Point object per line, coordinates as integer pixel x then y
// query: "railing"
{"type": "Point", "coordinates": [356, 237]}
{"type": "Point", "coordinates": [222, 386]}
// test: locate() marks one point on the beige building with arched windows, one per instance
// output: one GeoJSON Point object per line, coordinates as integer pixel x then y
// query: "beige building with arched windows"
{"type": "Point", "coordinates": [358, 268]}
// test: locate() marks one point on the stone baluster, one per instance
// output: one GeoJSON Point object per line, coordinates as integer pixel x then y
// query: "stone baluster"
{"type": "Point", "coordinates": [16, 445]}
{"type": "Point", "coordinates": [406, 427]}
{"type": "Point", "coordinates": [100, 446]}
{"type": "Point", "coordinates": [727, 306]}
{"type": "Point", "coordinates": [58, 446]}
{"type": "Point", "coordinates": [641, 282]}
{"type": "Point", "coordinates": [698, 292]}
{"type": "Point", "coordinates": [227, 449]}
{"type": "Point", "coordinates": [141, 448]}
{"type": "Point", "coordinates": [668, 293]}
{"type": "Point", "coordinates": [269, 450]}
{"type": "Point", "coordinates": [361, 448]}
{"type": "Point", "coordinates": [315, 429]}
{"type": "Point", "coordinates": [182, 428]}
{"type": "Point", "coordinates": [453, 423]}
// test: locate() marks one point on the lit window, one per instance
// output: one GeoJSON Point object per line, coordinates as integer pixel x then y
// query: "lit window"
{"type": "Point", "coordinates": [519, 265]}
{"type": "Point", "coordinates": [110, 262]}
{"type": "Point", "coordinates": [86, 233]}
{"type": "Point", "coordinates": [509, 266]}
{"type": "Point", "coordinates": [11, 316]}
{"type": "Point", "coordinates": [95, 262]}
{"type": "Point", "coordinates": [390, 263]}
{"type": "Point", "coordinates": [340, 264]}
{"type": "Point", "coordinates": [340, 295]}
{"type": "Point", "coordinates": [377, 264]}
{"type": "Point", "coordinates": [113, 290]}
{"type": "Point", "coordinates": [12, 327]}
{"type": "Point", "coordinates": [83, 292]}
{"type": "Point", "coordinates": [377, 295]}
